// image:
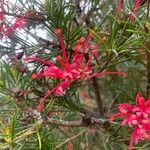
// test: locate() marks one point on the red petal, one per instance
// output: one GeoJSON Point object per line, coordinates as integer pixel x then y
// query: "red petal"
{"type": "Point", "coordinates": [137, 3]}
{"type": "Point", "coordinates": [59, 34]}
{"type": "Point", "coordinates": [113, 117]}
{"type": "Point", "coordinates": [49, 63]}
{"type": "Point", "coordinates": [35, 75]}
{"type": "Point", "coordinates": [41, 105]}
{"type": "Point", "coordinates": [69, 146]}
{"type": "Point", "coordinates": [64, 85]}
{"type": "Point", "coordinates": [132, 138]}
{"type": "Point", "coordinates": [140, 101]}
{"type": "Point", "coordinates": [19, 23]}
{"type": "Point", "coordinates": [90, 59]}
{"type": "Point", "coordinates": [77, 48]}
{"type": "Point", "coordinates": [85, 44]}
{"type": "Point", "coordinates": [120, 2]}
{"type": "Point", "coordinates": [62, 63]}
{"type": "Point", "coordinates": [125, 107]}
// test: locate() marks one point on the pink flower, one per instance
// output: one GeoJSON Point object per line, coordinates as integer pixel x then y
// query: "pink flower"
{"type": "Point", "coordinates": [18, 23]}
{"type": "Point", "coordinates": [120, 3]}
{"type": "Point", "coordinates": [69, 146]}
{"type": "Point", "coordinates": [69, 70]}
{"type": "Point", "coordinates": [136, 117]}
{"type": "Point", "coordinates": [136, 6]}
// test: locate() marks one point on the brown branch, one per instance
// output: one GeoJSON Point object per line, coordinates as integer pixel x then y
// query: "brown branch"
{"type": "Point", "coordinates": [36, 16]}
{"type": "Point", "coordinates": [74, 123]}
{"type": "Point", "coordinates": [96, 87]}
{"type": "Point", "coordinates": [89, 118]}
{"type": "Point", "coordinates": [84, 122]}
{"type": "Point", "coordinates": [70, 139]}
{"type": "Point", "coordinates": [143, 2]}
{"type": "Point", "coordinates": [84, 110]}
{"type": "Point", "coordinates": [107, 63]}
{"type": "Point", "coordinates": [148, 9]}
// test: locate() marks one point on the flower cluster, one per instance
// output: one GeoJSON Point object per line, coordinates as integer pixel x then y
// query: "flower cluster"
{"type": "Point", "coordinates": [15, 23]}
{"type": "Point", "coordinates": [137, 117]}
{"type": "Point", "coordinates": [132, 16]}
{"type": "Point", "coordinates": [68, 70]}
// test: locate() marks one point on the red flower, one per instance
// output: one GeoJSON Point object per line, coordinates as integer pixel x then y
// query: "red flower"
{"type": "Point", "coordinates": [136, 6]}
{"type": "Point", "coordinates": [69, 146]}
{"type": "Point", "coordinates": [120, 3]}
{"type": "Point", "coordinates": [136, 117]}
{"type": "Point", "coordinates": [18, 23]}
{"type": "Point", "coordinates": [69, 70]}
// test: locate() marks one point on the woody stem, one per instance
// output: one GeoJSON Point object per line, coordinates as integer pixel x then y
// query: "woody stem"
{"type": "Point", "coordinates": [96, 87]}
{"type": "Point", "coordinates": [98, 95]}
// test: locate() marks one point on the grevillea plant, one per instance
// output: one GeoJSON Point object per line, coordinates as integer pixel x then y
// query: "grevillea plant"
{"type": "Point", "coordinates": [72, 73]}
{"type": "Point", "coordinates": [70, 70]}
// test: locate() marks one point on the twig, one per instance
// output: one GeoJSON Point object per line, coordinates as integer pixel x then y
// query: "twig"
{"type": "Point", "coordinates": [96, 87]}
{"type": "Point", "coordinates": [148, 9]}
{"type": "Point", "coordinates": [74, 123]}
{"type": "Point", "coordinates": [89, 112]}
{"type": "Point", "coordinates": [70, 139]}
{"type": "Point", "coordinates": [84, 122]}
{"type": "Point", "coordinates": [36, 16]}
{"type": "Point", "coordinates": [107, 63]}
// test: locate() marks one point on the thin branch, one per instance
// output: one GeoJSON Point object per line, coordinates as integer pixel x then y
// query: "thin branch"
{"type": "Point", "coordinates": [84, 122]}
{"type": "Point", "coordinates": [107, 63]}
{"type": "Point", "coordinates": [89, 112]}
{"type": "Point", "coordinates": [74, 123]}
{"type": "Point", "coordinates": [148, 9]}
{"type": "Point", "coordinates": [70, 139]}
{"type": "Point", "coordinates": [36, 16]}
{"type": "Point", "coordinates": [96, 87]}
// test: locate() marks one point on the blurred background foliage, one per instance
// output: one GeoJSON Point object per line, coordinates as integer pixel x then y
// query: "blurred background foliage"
{"type": "Point", "coordinates": [72, 121]}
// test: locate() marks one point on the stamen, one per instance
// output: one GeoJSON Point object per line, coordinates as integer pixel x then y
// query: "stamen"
{"type": "Point", "coordinates": [41, 105]}
{"type": "Point", "coordinates": [59, 34]}
{"type": "Point", "coordinates": [59, 59]}
{"type": "Point", "coordinates": [120, 2]}
{"type": "Point", "coordinates": [90, 59]}
{"type": "Point", "coordinates": [63, 84]}
{"type": "Point", "coordinates": [48, 63]}
{"type": "Point", "coordinates": [19, 23]}
{"type": "Point", "coordinates": [77, 48]}
{"type": "Point", "coordinates": [100, 42]}
{"type": "Point", "coordinates": [35, 75]}
{"type": "Point", "coordinates": [85, 44]}
{"type": "Point", "coordinates": [137, 3]}
{"type": "Point", "coordinates": [132, 138]}
{"type": "Point", "coordinates": [113, 117]}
